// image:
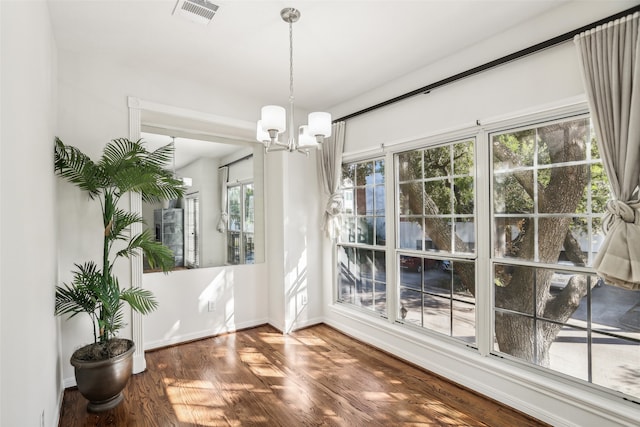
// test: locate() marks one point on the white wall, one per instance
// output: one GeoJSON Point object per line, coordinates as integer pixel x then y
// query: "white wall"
{"type": "Point", "coordinates": [302, 234]}
{"type": "Point", "coordinates": [539, 80]}
{"type": "Point", "coordinates": [275, 240]}
{"type": "Point", "coordinates": [238, 295]}
{"type": "Point", "coordinates": [30, 366]}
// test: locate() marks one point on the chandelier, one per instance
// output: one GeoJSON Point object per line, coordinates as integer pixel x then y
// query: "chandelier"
{"type": "Point", "coordinates": [273, 119]}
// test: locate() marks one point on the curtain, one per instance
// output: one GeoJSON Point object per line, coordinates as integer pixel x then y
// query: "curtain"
{"type": "Point", "coordinates": [223, 177]}
{"type": "Point", "coordinates": [609, 56]}
{"type": "Point", "coordinates": [330, 168]}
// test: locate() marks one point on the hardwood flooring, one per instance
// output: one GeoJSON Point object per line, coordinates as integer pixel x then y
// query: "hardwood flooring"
{"type": "Point", "coordinates": [313, 377]}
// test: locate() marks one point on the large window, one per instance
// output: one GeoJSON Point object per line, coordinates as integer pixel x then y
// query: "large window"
{"type": "Point", "coordinates": [362, 273]}
{"type": "Point", "coordinates": [549, 192]}
{"type": "Point", "coordinates": [240, 231]}
{"type": "Point", "coordinates": [513, 216]}
{"type": "Point", "coordinates": [436, 214]}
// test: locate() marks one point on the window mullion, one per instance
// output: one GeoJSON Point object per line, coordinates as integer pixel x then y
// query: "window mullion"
{"type": "Point", "coordinates": [484, 274]}
{"type": "Point", "coordinates": [391, 211]}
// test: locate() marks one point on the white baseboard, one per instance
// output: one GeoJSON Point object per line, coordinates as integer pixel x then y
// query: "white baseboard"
{"type": "Point", "coordinates": [69, 382]}
{"type": "Point", "coordinates": [178, 339]}
{"type": "Point", "coordinates": [139, 363]}
{"type": "Point", "coordinates": [307, 323]}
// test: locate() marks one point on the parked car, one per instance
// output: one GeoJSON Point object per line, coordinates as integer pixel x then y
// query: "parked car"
{"type": "Point", "coordinates": [411, 263]}
{"type": "Point", "coordinates": [419, 264]}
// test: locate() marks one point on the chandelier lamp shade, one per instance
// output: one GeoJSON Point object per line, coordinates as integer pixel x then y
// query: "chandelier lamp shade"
{"type": "Point", "coordinates": [273, 120]}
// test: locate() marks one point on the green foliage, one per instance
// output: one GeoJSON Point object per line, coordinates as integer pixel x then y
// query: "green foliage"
{"type": "Point", "coordinates": [125, 166]}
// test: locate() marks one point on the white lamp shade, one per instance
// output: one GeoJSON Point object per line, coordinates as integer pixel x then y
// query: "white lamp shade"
{"type": "Point", "coordinates": [261, 134]}
{"type": "Point", "coordinates": [320, 124]}
{"type": "Point", "coordinates": [305, 139]}
{"type": "Point", "coordinates": [274, 117]}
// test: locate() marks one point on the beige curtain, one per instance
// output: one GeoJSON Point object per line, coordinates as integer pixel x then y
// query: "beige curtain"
{"type": "Point", "coordinates": [223, 177]}
{"type": "Point", "coordinates": [330, 167]}
{"type": "Point", "coordinates": [610, 61]}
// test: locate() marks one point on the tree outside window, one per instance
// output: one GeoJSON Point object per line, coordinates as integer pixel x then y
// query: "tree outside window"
{"type": "Point", "coordinates": [549, 194]}
{"type": "Point", "coordinates": [362, 279]}
{"type": "Point", "coordinates": [436, 205]}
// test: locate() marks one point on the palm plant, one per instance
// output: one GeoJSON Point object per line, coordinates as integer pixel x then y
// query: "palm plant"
{"type": "Point", "coordinates": [125, 166]}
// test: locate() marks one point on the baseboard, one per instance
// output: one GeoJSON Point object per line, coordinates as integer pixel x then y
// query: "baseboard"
{"type": "Point", "coordinates": [139, 362]}
{"type": "Point", "coordinates": [207, 333]}
{"type": "Point", "coordinates": [306, 324]}
{"type": "Point", "coordinates": [69, 382]}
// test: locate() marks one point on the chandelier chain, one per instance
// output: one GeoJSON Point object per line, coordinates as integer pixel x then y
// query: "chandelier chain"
{"type": "Point", "coordinates": [291, 141]}
{"type": "Point", "coordinates": [290, 61]}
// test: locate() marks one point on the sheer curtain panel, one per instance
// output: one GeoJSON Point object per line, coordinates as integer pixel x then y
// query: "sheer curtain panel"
{"type": "Point", "coordinates": [609, 56]}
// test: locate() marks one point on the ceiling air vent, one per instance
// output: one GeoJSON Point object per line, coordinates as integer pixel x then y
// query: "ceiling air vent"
{"type": "Point", "coordinates": [200, 11]}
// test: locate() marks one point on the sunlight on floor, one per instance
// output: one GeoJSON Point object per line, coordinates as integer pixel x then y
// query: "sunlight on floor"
{"type": "Point", "coordinates": [219, 402]}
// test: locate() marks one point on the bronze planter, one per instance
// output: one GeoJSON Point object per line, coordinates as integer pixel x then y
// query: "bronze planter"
{"type": "Point", "coordinates": [101, 382]}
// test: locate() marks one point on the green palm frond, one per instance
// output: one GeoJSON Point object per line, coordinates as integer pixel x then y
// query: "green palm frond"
{"type": "Point", "coordinates": [157, 254]}
{"type": "Point", "coordinates": [122, 220]}
{"type": "Point", "coordinates": [121, 153]}
{"type": "Point", "coordinates": [141, 300]}
{"type": "Point", "coordinates": [77, 168]}
{"type": "Point", "coordinates": [152, 183]}
{"type": "Point", "coordinates": [161, 157]}
{"type": "Point", "coordinates": [73, 300]}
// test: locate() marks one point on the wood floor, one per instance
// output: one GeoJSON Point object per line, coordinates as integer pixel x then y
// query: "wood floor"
{"type": "Point", "coordinates": [313, 377]}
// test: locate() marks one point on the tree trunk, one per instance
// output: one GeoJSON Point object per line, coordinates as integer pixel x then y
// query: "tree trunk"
{"type": "Point", "coordinates": [526, 290]}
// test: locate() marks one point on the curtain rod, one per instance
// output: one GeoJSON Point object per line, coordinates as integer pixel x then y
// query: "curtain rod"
{"type": "Point", "coordinates": [508, 58]}
{"type": "Point", "coordinates": [248, 156]}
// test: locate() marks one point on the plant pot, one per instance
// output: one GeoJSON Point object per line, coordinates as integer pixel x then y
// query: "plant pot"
{"type": "Point", "coordinates": [101, 382]}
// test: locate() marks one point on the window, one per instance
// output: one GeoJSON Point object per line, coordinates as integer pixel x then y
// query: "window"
{"type": "Point", "coordinates": [536, 194]}
{"type": "Point", "coordinates": [192, 231]}
{"type": "Point", "coordinates": [240, 231]}
{"type": "Point", "coordinates": [549, 193]}
{"type": "Point", "coordinates": [362, 274]}
{"type": "Point", "coordinates": [436, 214]}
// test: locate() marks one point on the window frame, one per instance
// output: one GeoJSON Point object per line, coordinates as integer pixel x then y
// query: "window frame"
{"type": "Point", "coordinates": [439, 255]}
{"type": "Point", "coordinates": [364, 246]}
{"type": "Point", "coordinates": [192, 212]}
{"type": "Point", "coordinates": [485, 261]}
{"type": "Point", "coordinates": [241, 184]}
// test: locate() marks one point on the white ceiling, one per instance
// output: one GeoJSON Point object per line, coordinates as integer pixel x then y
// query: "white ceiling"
{"type": "Point", "coordinates": [188, 150]}
{"type": "Point", "coordinates": [341, 48]}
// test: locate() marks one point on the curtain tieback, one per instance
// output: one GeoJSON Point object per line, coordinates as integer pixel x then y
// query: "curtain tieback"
{"type": "Point", "coordinates": [334, 205]}
{"type": "Point", "coordinates": [619, 210]}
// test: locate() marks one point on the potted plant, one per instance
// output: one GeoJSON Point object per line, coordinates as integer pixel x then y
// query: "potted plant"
{"type": "Point", "coordinates": [103, 368]}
